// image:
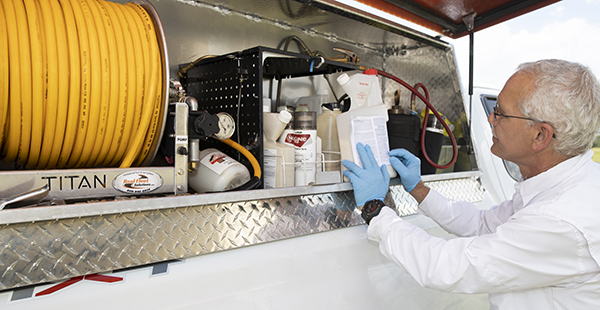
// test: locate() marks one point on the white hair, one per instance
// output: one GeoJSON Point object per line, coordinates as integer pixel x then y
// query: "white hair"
{"type": "Point", "coordinates": [566, 95]}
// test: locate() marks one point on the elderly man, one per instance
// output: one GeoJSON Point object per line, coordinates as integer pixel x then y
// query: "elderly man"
{"type": "Point", "coordinates": [540, 250]}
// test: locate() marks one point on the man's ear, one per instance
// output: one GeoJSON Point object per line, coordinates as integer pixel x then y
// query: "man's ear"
{"type": "Point", "coordinates": [544, 137]}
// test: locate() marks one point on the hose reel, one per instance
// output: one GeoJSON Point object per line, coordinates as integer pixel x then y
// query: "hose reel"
{"type": "Point", "coordinates": [84, 86]}
{"type": "Point", "coordinates": [83, 83]}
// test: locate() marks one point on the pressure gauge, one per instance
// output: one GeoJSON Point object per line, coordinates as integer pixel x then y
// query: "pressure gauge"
{"type": "Point", "coordinates": [226, 126]}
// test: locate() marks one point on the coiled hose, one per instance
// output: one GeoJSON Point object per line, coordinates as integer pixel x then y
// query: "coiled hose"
{"type": "Point", "coordinates": [80, 83]}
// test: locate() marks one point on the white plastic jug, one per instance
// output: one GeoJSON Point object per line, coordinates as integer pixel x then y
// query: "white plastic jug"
{"type": "Point", "coordinates": [328, 132]}
{"type": "Point", "coordinates": [279, 159]}
{"type": "Point", "coordinates": [362, 88]}
{"type": "Point", "coordinates": [344, 121]}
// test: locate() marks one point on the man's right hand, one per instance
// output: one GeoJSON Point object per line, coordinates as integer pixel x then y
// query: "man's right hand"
{"type": "Point", "coordinates": [408, 167]}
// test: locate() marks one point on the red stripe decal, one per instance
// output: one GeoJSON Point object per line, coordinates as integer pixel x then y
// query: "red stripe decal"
{"type": "Point", "coordinates": [101, 278]}
{"type": "Point", "coordinates": [91, 277]}
{"type": "Point", "coordinates": [59, 286]}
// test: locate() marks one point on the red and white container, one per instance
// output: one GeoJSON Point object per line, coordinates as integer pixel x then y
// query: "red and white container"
{"type": "Point", "coordinates": [304, 140]}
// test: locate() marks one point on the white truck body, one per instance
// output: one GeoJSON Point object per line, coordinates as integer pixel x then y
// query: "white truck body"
{"type": "Point", "coordinates": [289, 248]}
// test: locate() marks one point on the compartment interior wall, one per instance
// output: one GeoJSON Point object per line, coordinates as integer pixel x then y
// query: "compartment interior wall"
{"type": "Point", "coordinates": [197, 28]}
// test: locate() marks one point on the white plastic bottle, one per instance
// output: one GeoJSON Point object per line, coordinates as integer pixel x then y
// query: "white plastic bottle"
{"type": "Point", "coordinates": [278, 159]}
{"type": "Point", "coordinates": [357, 87]}
{"type": "Point", "coordinates": [304, 140]}
{"type": "Point", "coordinates": [374, 98]}
{"type": "Point", "coordinates": [313, 103]}
{"type": "Point", "coordinates": [372, 108]}
{"type": "Point", "coordinates": [302, 104]}
{"type": "Point", "coordinates": [327, 131]}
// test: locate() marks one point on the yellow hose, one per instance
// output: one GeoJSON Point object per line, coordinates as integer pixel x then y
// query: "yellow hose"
{"type": "Point", "coordinates": [111, 77]}
{"type": "Point", "coordinates": [91, 85]}
{"type": "Point", "coordinates": [153, 88]}
{"type": "Point", "coordinates": [133, 91]}
{"type": "Point", "coordinates": [48, 114]}
{"type": "Point", "coordinates": [37, 79]}
{"type": "Point", "coordinates": [117, 116]}
{"type": "Point", "coordinates": [247, 154]}
{"type": "Point", "coordinates": [157, 99]}
{"type": "Point", "coordinates": [53, 139]}
{"type": "Point", "coordinates": [61, 152]}
{"type": "Point", "coordinates": [100, 86]}
{"type": "Point", "coordinates": [4, 85]}
{"type": "Point", "coordinates": [25, 88]}
{"type": "Point", "coordinates": [10, 149]}
{"type": "Point", "coordinates": [80, 83]}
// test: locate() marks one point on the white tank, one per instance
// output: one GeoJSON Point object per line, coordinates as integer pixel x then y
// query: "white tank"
{"type": "Point", "coordinates": [217, 172]}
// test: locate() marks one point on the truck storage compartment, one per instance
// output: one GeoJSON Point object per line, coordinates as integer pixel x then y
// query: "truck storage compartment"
{"type": "Point", "coordinates": [95, 226]}
{"type": "Point", "coordinates": [238, 84]}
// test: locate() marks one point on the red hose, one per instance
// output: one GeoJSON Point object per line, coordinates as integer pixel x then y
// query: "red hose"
{"type": "Point", "coordinates": [425, 99]}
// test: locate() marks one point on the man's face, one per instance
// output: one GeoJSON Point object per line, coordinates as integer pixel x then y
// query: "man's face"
{"type": "Point", "coordinates": [511, 135]}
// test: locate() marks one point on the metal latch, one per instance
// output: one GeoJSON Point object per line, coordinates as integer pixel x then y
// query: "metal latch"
{"type": "Point", "coordinates": [36, 194]}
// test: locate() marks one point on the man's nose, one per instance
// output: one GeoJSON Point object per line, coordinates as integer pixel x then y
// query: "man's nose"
{"type": "Point", "coordinates": [491, 119]}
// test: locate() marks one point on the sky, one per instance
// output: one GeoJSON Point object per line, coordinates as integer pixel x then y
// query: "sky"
{"type": "Point", "coordinates": [569, 29]}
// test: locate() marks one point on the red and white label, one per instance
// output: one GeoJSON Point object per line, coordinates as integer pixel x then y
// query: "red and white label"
{"type": "Point", "coordinates": [298, 139]}
{"type": "Point", "coordinates": [217, 162]}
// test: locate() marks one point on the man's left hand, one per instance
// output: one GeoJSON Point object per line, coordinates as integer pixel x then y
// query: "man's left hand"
{"type": "Point", "coordinates": [369, 182]}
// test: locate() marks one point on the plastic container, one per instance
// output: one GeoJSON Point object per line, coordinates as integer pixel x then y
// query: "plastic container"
{"type": "Point", "coordinates": [278, 164]}
{"type": "Point", "coordinates": [328, 132]}
{"type": "Point", "coordinates": [357, 87]}
{"type": "Point", "coordinates": [304, 139]}
{"type": "Point", "coordinates": [302, 104]}
{"type": "Point", "coordinates": [266, 105]}
{"type": "Point", "coordinates": [404, 131]}
{"type": "Point", "coordinates": [217, 172]}
{"type": "Point", "coordinates": [313, 103]}
{"type": "Point", "coordinates": [278, 159]}
{"type": "Point", "coordinates": [275, 123]}
{"type": "Point", "coordinates": [344, 131]}
{"type": "Point", "coordinates": [374, 98]}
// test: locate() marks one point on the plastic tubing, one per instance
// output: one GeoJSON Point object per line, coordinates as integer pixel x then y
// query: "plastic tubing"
{"type": "Point", "coordinates": [247, 154]}
{"type": "Point", "coordinates": [80, 83]}
{"type": "Point", "coordinates": [425, 99]}
{"type": "Point", "coordinates": [255, 180]}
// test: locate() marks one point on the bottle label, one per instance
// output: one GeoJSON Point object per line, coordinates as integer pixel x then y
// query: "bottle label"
{"type": "Point", "coordinates": [217, 162]}
{"type": "Point", "coordinates": [306, 154]}
{"type": "Point", "coordinates": [270, 168]}
{"type": "Point", "coordinates": [287, 135]}
{"type": "Point", "coordinates": [299, 140]}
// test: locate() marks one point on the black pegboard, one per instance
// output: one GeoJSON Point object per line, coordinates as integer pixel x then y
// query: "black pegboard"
{"type": "Point", "coordinates": [217, 83]}
{"type": "Point", "coordinates": [232, 84]}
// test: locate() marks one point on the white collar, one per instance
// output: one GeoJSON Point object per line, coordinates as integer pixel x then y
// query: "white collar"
{"type": "Point", "coordinates": [551, 178]}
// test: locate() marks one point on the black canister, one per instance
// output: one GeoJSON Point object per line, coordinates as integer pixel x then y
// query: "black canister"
{"type": "Point", "coordinates": [404, 131]}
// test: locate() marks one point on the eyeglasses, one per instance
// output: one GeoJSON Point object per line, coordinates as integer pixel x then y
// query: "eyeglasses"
{"type": "Point", "coordinates": [498, 113]}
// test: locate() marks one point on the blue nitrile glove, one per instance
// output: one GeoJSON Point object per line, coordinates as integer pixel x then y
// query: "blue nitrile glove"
{"type": "Point", "coordinates": [371, 181]}
{"type": "Point", "coordinates": [408, 167]}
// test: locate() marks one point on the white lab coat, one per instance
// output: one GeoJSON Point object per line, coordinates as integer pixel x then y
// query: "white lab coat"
{"type": "Point", "coordinates": [540, 250]}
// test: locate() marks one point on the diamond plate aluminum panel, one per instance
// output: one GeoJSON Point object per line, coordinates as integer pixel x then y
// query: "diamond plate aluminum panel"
{"type": "Point", "coordinates": [464, 189]}
{"type": "Point", "coordinates": [47, 251]}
